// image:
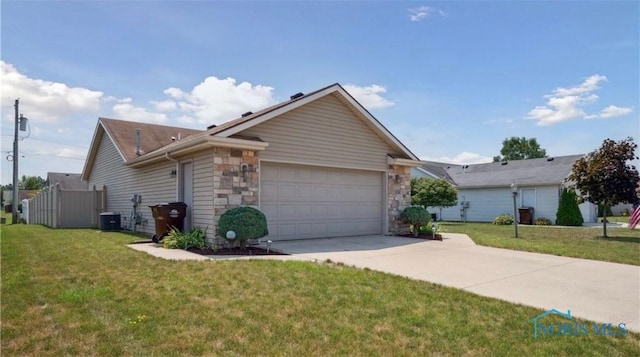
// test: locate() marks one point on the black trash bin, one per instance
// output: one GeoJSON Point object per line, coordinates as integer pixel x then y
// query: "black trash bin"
{"type": "Point", "coordinates": [168, 216]}
{"type": "Point", "coordinates": [434, 217]}
{"type": "Point", "coordinates": [109, 221]}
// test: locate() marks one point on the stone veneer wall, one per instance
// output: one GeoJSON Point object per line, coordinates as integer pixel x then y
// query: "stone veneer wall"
{"type": "Point", "coordinates": [399, 197]}
{"type": "Point", "coordinates": [230, 187]}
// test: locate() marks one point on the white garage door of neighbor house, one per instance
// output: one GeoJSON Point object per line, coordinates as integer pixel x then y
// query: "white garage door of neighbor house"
{"type": "Point", "coordinates": [316, 202]}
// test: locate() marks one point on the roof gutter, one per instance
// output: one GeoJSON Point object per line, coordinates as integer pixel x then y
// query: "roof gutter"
{"type": "Point", "coordinates": [197, 144]}
{"type": "Point", "coordinates": [404, 162]}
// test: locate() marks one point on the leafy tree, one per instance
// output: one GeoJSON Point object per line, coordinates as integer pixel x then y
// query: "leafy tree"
{"type": "Point", "coordinates": [605, 177]}
{"type": "Point", "coordinates": [433, 193]}
{"type": "Point", "coordinates": [568, 210]}
{"type": "Point", "coordinates": [31, 183]}
{"type": "Point", "coordinates": [515, 148]}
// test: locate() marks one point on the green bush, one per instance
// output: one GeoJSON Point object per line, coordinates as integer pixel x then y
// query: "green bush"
{"type": "Point", "coordinates": [195, 238]}
{"type": "Point", "coordinates": [247, 222]}
{"type": "Point", "coordinates": [416, 216]}
{"type": "Point", "coordinates": [541, 221]}
{"type": "Point", "coordinates": [568, 211]}
{"type": "Point", "coordinates": [503, 220]}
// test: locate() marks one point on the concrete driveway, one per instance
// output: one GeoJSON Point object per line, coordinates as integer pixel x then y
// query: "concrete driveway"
{"type": "Point", "coordinates": [598, 291]}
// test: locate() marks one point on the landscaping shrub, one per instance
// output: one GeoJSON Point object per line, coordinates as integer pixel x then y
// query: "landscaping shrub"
{"type": "Point", "coordinates": [504, 220]}
{"type": "Point", "coordinates": [247, 222]}
{"type": "Point", "coordinates": [416, 216]}
{"type": "Point", "coordinates": [568, 211]}
{"type": "Point", "coordinates": [541, 221]}
{"type": "Point", "coordinates": [195, 238]}
{"type": "Point", "coordinates": [426, 228]}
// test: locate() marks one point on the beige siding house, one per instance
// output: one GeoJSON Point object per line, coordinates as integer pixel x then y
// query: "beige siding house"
{"type": "Point", "coordinates": [318, 165]}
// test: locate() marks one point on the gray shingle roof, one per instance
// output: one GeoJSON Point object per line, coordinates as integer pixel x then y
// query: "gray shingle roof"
{"type": "Point", "coordinates": [545, 171]}
{"type": "Point", "coordinates": [66, 181]}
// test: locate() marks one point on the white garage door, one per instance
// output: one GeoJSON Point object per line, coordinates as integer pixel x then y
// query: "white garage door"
{"type": "Point", "coordinates": [317, 202]}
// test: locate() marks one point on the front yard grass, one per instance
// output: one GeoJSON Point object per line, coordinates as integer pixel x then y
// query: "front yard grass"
{"type": "Point", "coordinates": [621, 246]}
{"type": "Point", "coordinates": [82, 292]}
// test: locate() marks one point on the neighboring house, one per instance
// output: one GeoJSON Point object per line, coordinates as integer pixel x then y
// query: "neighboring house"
{"type": "Point", "coordinates": [318, 165]}
{"type": "Point", "coordinates": [484, 190]}
{"type": "Point", "coordinates": [66, 181]}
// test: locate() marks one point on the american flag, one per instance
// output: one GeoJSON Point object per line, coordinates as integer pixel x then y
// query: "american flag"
{"type": "Point", "coordinates": [634, 218]}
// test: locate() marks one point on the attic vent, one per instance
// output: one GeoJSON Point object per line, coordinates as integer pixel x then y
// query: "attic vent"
{"type": "Point", "coordinates": [549, 159]}
{"type": "Point", "coordinates": [137, 142]}
{"type": "Point", "coordinates": [297, 95]}
{"type": "Point", "coordinates": [504, 163]}
{"type": "Point", "coordinates": [246, 114]}
{"type": "Point", "coordinates": [211, 126]}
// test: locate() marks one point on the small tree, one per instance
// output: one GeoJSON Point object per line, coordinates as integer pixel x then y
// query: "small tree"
{"type": "Point", "coordinates": [522, 148]}
{"type": "Point", "coordinates": [246, 222]}
{"type": "Point", "coordinates": [31, 183]}
{"type": "Point", "coordinates": [433, 193]}
{"type": "Point", "coordinates": [568, 211]}
{"type": "Point", "coordinates": [605, 177]}
{"type": "Point", "coordinates": [416, 216]}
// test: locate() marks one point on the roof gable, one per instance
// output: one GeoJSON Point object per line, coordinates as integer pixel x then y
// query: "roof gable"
{"type": "Point", "coordinates": [122, 134]}
{"type": "Point", "coordinates": [237, 126]}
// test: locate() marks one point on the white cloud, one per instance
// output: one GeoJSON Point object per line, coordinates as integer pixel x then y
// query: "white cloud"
{"type": "Point", "coordinates": [217, 100]}
{"type": "Point", "coordinates": [463, 158]}
{"type": "Point", "coordinates": [589, 85]}
{"type": "Point", "coordinates": [370, 96]}
{"type": "Point", "coordinates": [507, 121]}
{"type": "Point", "coordinates": [614, 111]}
{"type": "Point", "coordinates": [565, 104]}
{"type": "Point", "coordinates": [127, 111]}
{"type": "Point", "coordinates": [423, 12]}
{"type": "Point", "coordinates": [420, 13]}
{"type": "Point", "coordinates": [165, 105]}
{"type": "Point", "coordinates": [45, 101]}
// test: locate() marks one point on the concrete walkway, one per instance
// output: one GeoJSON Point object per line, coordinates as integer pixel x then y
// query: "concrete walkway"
{"type": "Point", "coordinates": [598, 291]}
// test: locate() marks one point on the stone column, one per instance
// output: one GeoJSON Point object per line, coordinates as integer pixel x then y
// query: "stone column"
{"type": "Point", "coordinates": [399, 197]}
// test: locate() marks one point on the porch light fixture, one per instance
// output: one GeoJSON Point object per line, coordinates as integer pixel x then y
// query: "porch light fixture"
{"type": "Point", "coordinates": [398, 179]}
{"type": "Point", "coordinates": [245, 172]}
{"type": "Point", "coordinates": [514, 193]}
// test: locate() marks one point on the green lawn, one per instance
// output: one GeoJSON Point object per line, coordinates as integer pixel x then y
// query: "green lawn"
{"type": "Point", "coordinates": [621, 246]}
{"type": "Point", "coordinates": [82, 292]}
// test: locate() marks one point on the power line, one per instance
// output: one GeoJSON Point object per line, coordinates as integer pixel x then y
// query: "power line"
{"type": "Point", "coordinates": [53, 142]}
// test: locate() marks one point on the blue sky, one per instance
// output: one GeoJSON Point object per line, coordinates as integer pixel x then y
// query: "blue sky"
{"type": "Point", "coordinates": [451, 80]}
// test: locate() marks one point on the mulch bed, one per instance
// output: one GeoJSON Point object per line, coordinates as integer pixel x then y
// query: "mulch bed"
{"type": "Point", "coordinates": [248, 251]}
{"type": "Point", "coordinates": [422, 236]}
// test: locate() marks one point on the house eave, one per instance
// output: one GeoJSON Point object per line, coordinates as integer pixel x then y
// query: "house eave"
{"type": "Point", "coordinates": [191, 146]}
{"type": "Point", "coordinates": [404, 162]}
{"type": "Point", "coordinates": [520, 185]}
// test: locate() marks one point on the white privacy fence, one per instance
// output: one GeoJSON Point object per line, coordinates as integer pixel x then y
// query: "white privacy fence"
{"type": "Point", "coordinates": [59, 208]}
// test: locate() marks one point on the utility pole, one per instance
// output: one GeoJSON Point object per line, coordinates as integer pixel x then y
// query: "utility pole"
{"type": "Point", "coordinates": [14, 201]}
{"type": "Point", "coordinates": [21, 122]}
